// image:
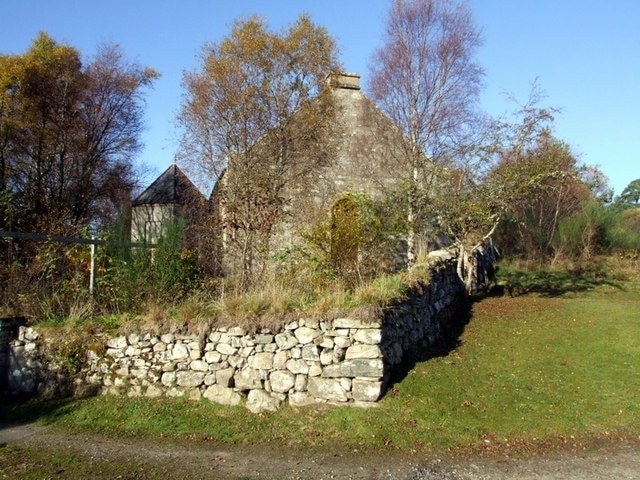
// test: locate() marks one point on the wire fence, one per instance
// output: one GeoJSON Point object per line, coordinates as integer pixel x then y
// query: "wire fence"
{"type": "Point", "coordinates": [92, 242]}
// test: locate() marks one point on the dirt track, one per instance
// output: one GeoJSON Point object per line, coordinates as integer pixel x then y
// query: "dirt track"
{"type": "Point", "coordinates": [169, 460]}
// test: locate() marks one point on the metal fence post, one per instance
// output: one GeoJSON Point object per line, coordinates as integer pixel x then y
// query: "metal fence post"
{"type": "Point", "coordinates": [92, 272]}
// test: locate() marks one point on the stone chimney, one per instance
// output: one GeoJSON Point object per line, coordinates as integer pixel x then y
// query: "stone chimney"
{"type": "Point", "coordinates": [350, 81]}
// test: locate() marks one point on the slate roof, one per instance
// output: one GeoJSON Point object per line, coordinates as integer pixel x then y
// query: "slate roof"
{"type": "Point", "coordinates": [172, 187]}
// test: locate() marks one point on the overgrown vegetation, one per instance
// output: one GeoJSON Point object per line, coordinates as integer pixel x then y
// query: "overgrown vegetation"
{"type": "Point", "coordinates": [56, 287]}
{"type": "Point", "coordinates": [464, 183]}
{"type": "Point", "coordinates": [552, 367]}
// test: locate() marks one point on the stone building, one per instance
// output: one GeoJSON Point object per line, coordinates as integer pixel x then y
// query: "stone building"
{"type": "Point", "coordinates": [366, 157]}
{"type": "Point", "coordinates": [367, 153]}
{"type": "Point", "coordinates": [171, 196]}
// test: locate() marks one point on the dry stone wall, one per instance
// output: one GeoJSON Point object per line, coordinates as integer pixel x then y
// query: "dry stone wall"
{"type": "Point", "coordinates": [342, 360]}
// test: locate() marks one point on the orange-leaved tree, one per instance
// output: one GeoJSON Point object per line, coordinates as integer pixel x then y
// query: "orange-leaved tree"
{"type": "Point", "coordinates": [241, 132]}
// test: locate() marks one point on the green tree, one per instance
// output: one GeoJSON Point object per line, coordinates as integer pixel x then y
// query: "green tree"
{"type": "Point", "coordinates": [559, 188]}
{"type": "Point", "coordinates": [69, 132]}
{"type": "Point", "coordinates": [240, 129]}
{"type": "Point", "coordinates": [630, 196]}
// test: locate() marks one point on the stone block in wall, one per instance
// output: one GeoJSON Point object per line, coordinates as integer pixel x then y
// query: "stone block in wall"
{"type": "Point", "coordinates": [326, 357]}
{"type": "Point", "coordinates": [222, 395]}
{"type": "Point", "coordinates": [261, 361]}
{"type": "Point", "coordinates": [260, 401]}
{"type": "Point", "coordinates": [342, 341]}
{"type": "Point", "coordinates": [28, 334]}
{"type": "Point", "coordinates": [189, 379]}
{"type": "Point", "coordinates": [135, 391]}
{"type": "Point", "coordinates": [370, 368]}
{"type": "Point", "coordinates": [139, 373]}
{"type": "Point", "coordinates": [324, 341]}
{"type": "Point", "coordinates": [298, 366]}
{"type": "Point", "coordinates": [226, 349]}
{"type": "Point", "coordinates": [340, 323]}
{"type": "Point", "coordinates": [224, 377]}
{"type": "Point", "coordinates": [280, 360]}
{"type": "Point", "coordinates": [168, 367]}
{"type": "Point", "coordinates": [310, 322]}
{"type": "Point", "coordinates": [329, 389]}
{"type": "Point", "coordinates": [363, 351]}
{"type": "Point", "coordinates": [175, 392]}
{"type": "Point", "coordinates": [370, 336]}
{"type": "Point", "coordinates": [282, 381]}
{"type": "Point", "coordinates": [199, 366]}
{"type": "Point", "coordinates": [306, 335]}
{"type": "Point", "coordinates": [168, 379]}
{"type": "Point", "coordinates": [301, 399]}
{"type": "Point", "coordinates": [236, 332]}
{"type": "Point", "coordinates": [301, 384]}
{"type": "Point", "coordinates": [292, 325]}
{"type": "Point", "coordinates": [247, 379]}
{"type": "Point", "coordinates": [263, 338]}
{"type": "Point", "coordinates": [338, 354]}
{"type": "Point", "coordinates": [315, 369]}
{"type": "Point", "coordinates": [117, 343]}
{"type": "Point", "coordinates": [153, 391]}
{"type": "Point", "coordinates": [120, 382]}
{"type": "Point", "coordinates": [286, 341]}
{"type": "Point", "coordinates": [212, 357]}
{"type": "Point", "coordinates": [366, 390]}
{"type": "Point", "coordinates": [310, 353]}
{"type": "Point", "coordinates": [236, 361]}
{"type": "Point", "coordinates": [115, 352]}
{"type": "Point", "coordinates": [179, 352]}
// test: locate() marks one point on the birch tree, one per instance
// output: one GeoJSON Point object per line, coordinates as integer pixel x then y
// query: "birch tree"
{"type": "Point", "coordinates": [426, 79]}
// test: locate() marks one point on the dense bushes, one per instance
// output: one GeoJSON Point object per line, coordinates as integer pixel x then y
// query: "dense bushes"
{"type": "Point", "coordinates": [54, 282]}
{"type": "Point", "coordinates": [357, 241]}
{"type": "Point", "coordinates": [594, 229]}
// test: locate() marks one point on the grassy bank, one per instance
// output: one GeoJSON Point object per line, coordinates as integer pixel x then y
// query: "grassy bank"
{"type": "Point", "coordinates": [546, 366]}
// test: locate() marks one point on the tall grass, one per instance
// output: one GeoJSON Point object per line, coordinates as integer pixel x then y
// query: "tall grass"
{"type": "Point", "coordinates": [527, 371]}
{"type": "Point", "coordinates": [131, 277]}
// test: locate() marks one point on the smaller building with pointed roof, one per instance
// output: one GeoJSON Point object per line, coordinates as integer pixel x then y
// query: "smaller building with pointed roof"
{"type": "Point", "coordinates": [171, 196]}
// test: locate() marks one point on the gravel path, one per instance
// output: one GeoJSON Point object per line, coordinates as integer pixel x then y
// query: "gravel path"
{"type": "Point", "coordinates": [171, 459]}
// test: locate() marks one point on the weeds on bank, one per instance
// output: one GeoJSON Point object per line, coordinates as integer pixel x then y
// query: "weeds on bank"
{"type": "Point", "coordinates": [269, 304]}
{"type": "Point", "coordinates": [527, 370]}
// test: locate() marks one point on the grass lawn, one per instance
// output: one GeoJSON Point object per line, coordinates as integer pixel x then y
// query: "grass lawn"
{"type": "Point", "coordinates": [543, 368]}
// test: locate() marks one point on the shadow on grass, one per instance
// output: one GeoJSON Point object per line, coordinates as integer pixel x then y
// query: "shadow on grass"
{"type": "Point", "coordinates": [512, 282]}
{"type": "Point", "coordinates": [20, 412]}
{"type": "Point", "coordinates": [546, 283]}
{"type": "Point", "coordinates": [451, 332]}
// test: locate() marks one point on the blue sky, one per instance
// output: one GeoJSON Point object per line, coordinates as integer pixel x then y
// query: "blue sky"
{"type": "Point", "coordinates": [584, 53]}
